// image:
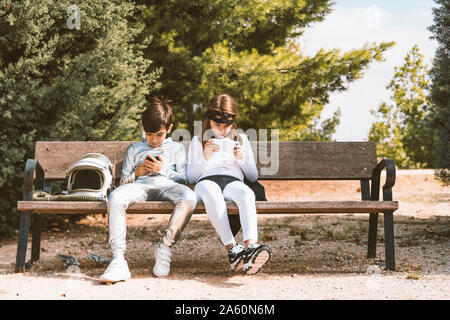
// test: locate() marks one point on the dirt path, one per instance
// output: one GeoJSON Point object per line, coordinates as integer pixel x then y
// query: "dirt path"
{"type": "Point", "coordinates": [315, 257]}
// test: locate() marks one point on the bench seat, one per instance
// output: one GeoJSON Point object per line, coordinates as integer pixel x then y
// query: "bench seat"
{"type": "Point", "coordinates": [166, 207]}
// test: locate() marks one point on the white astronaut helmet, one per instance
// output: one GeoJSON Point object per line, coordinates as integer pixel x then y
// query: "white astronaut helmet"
{"type": "Point", "coordinates": [91, 176]}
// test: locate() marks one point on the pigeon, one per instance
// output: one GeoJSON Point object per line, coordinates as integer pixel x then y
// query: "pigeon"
{"type": "Point", "coordinates": [99, 259]}
{"type": "Point", "coordinates": [68, 260]}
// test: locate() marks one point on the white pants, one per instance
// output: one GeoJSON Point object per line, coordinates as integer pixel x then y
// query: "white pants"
{"type": "Point", "coordinates": [214, 200]}
{"type": "Point", "coordinates": [121, 198]}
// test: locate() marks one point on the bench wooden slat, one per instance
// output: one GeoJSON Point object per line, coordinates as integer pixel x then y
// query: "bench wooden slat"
{"type": "Point", "coordinates": [57, 156]}
{"type": "Point", "coordinates": [324, 161]}
{"type": "Point", "coordinates": [296, 160]}
{"type": "Point", "coordinates": [165, 207]}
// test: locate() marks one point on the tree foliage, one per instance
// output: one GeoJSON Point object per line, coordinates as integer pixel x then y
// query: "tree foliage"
{"type": "Point", "coordinates": [404, 131]}
{"type": "Point", "coordinates": [440, 88]}
{"type": "Point", "coordinates": [58, 83]}
{"type": "Point", "coordinates": [91, 83]}
{"type": "Point", "coordinates": [247, 48]}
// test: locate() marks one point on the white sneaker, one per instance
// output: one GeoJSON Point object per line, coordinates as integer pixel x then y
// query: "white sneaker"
{"type": "Point", "coordinates": [163, 256]}
{"type": "Point", "coordinates": [117, 271]}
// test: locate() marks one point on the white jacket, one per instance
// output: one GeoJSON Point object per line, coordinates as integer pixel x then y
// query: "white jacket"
{"type": "Point", "coordinates": [222, 162]}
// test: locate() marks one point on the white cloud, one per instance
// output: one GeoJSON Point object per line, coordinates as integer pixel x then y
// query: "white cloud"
{"type": "Point", "coordinates": [348, 29]}
{"type": "Point", "coordinates": [373, 17]}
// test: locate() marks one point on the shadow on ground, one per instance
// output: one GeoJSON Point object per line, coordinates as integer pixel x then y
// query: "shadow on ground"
{"type": "Point", "coordinates": [302, 244]}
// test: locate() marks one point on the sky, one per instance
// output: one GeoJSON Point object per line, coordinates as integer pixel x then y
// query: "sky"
{"type": "Point", "coordinates": [354, 23]}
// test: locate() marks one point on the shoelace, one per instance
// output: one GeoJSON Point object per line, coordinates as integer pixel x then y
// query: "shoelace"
{"type": "Point", "coordinates": [164, 255]}
{"type": "Point", "coordinates": [236, 249]}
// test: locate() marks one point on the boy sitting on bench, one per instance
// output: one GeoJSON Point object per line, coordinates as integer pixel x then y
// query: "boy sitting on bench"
{"type": "Point", "coordinates": [153, 169]}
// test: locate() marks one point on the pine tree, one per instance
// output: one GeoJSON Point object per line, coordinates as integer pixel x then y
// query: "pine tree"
{"type": "Point", "coordinates": [404, 131]}
{"type": "Point", "coordinates": [251, 49]}
{"type": "Point", "coordinates": [60, 80]}
{"type": "Point", "coordinates": [440, 89]}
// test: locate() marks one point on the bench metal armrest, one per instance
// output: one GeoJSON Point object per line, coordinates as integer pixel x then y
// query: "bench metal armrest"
{"type": "Point", "coordinates": [31, 167]}
{"type": "Point", "coordinates": [390, 180]}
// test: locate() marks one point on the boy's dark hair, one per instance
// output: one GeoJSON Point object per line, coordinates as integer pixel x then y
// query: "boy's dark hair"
{"type": "Point", "coordinates": [157, 115]}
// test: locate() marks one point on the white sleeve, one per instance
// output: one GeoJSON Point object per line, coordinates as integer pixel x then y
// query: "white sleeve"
{"type": "Point", "coordinates": [128, 167]}
{"type": "Point", "coordinates": [247, 163]}
{"type": "Point", "coordinates": [179, 174]}
{"type": "Point", "coordinates": [196, 161]}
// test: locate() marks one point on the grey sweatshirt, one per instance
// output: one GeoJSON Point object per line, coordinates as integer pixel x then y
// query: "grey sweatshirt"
{"type": "Point", "coordinates": [174, 167]}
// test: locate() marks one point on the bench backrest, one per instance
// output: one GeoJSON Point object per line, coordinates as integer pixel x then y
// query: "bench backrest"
{"type": "Point", "coordinates": [298, 160]}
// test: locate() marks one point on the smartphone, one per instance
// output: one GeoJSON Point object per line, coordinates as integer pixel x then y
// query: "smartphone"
{"type": "Point", "coordinates": [150, 159]}
{"type": "Point", "coordinates": [237, 141]}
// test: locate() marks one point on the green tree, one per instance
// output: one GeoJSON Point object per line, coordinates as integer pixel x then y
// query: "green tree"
{"type": "Point", "coordinates": [250, 49]}
{"type": "Point", "coordinates": [404, 131]}
{"type": "Point", "coordinates": [440, 89]}
{"type": "Point", "coordinates": [61, 83]}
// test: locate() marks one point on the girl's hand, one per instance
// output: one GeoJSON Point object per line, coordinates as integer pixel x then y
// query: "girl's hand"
{"type": "Point", "coordinates": [210, 148]}
{"type": "Point", "coordinates": [238, 152]}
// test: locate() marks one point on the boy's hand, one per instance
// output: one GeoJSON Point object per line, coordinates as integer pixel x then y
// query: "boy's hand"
{"type": "Point", "coordinates": [155, 165]}
{"type": "Point", "coordinates": [238, 153]}
{"type": "Point", "coordinates": [141, 170]}
{"type": "Point", "coordinates": [149, 167]}
{"type": "Point", "coordinates": [210, 148]}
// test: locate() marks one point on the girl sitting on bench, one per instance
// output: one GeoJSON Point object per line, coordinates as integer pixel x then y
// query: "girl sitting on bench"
{"type": "Point", "coordinates": [218, 166]}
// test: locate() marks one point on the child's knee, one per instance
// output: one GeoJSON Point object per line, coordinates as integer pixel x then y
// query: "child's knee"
{"type": "Point", "coordinates": [117, 201]}
{"type": "Point", "coordinates": [245, 194]}
{"type": "Point", "coordinates": [114, 198]}
{"type": "Point", "coordinates": [200, 187]}
{"type": "Point", "coordinates": [190, 199]}
{"type": "Point", "coordinates": [249, 194]}
{"type": "Point", "coordinates": [189, 195]}
{"type": "Point", "coordinates": [207, 188]}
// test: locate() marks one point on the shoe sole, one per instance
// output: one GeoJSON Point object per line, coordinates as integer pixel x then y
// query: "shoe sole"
{"type": "Point", "coordinates": [159, 275]}
{"type": "Point", "coordinates": [110, 281]}
{"type": "Point", "coordinates": [238, 266]}
{"type": "Point", "coordinates": [258, 262]}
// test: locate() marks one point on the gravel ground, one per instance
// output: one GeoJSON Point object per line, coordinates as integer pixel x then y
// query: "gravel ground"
{"type": "Point", "coordinates": [315, 256]}
{"type": "Point", "coordinates": [237, 287]}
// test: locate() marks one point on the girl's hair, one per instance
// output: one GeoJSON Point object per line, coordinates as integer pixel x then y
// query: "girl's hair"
{"type": "Point", "coordinates": [222, 103]}
{"type": "Point", "coordinates": [157, 115]}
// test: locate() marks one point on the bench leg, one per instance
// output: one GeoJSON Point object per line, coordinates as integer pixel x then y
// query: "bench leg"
{"type": "Point", "coordinates": [36, 223]}
{"type": "Point", "coordinates": [372, 240]}
{"type": "Point", "coordinates": [389, 240]}
{"type": "Point", "coordinates": [22, 242]}
{"type": "Point", "coordinates": [373, 221]}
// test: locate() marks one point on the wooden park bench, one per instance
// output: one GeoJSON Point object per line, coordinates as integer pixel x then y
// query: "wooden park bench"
{"type": "Point", "coordinates": [297, 161]}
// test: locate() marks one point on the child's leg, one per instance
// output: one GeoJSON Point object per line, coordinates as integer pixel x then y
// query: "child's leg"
{"type": "Point", "coordinates": [255, 255]}
{"type": "Point", "coordinates": [216, 208]}
{"type": "Point", "coordinates": [119, 201]}
{"type": "Point", "coordinates": [244, 197]}
{"type": "Point", "coordinates": [185, 202]}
